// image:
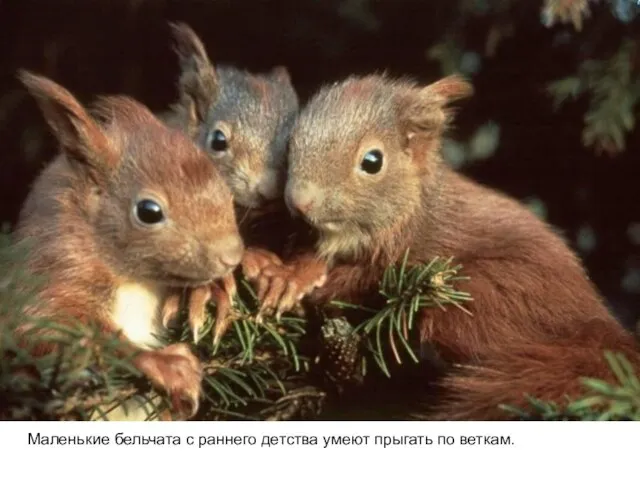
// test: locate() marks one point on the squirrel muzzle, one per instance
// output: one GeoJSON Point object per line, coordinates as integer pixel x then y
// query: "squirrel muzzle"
{"type": "Point", "coordinates": [303, 199]}
{"type": "Point", "coordinates": [224, 255]}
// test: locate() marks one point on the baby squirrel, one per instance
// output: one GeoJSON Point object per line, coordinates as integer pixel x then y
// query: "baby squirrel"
{"type": "Point", "coordinates": [365, 170]}
{"type": "Point", "coordinates": [243, 122]}
{"type": "Point", "coordinates": [127, 210]}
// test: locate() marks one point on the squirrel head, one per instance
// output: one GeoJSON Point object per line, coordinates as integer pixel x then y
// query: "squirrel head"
{"type": "Point", "coordinates": [362, 152]}
{"type": "Point", "coordinates": [242, 120]}
{"type": "Point", "coordinates": [158, 207]}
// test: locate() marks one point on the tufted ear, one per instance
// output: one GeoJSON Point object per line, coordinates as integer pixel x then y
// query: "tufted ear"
{"type": "Point", "coordinates": [281, 74]}
{"type": "Point", "coordinates": [449, 89]}
{"type": "Point", "coordinates": [81, 139]}
{"type": "Point", "coordinates": [198, 83]}
{"type": "Point", "coordinates": [424, 115]}
{"type": "Point", "coordinates": [424, 109]}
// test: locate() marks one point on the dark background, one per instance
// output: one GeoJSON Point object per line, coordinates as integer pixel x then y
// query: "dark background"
{"type": "Point", "coordinates": [100, 47]}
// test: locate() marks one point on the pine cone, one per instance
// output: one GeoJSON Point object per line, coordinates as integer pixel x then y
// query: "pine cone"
{"type": "Point", "coordinates": [340, 353]}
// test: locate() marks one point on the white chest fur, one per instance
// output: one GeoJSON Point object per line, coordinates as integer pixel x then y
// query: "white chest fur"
{"type": "Point", "coordinates": [136, 312]}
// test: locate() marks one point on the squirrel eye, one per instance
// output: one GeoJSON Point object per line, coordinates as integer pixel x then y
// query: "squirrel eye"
{"type": "Point", "coordinates": [218, 141]}
{"type": "Point", "coordinates": [149, 212]}
{"type": "Point", "coordinates": [372, 162]}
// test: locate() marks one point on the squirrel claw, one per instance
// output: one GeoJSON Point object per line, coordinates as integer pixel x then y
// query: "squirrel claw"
{"type": "Point", "coordinates": [230, 287]}
{"type": "Point", "coordinates": [170, 310]}
{"type": "Point", "coordinates": [198, 300]}
{"type": "Point", "coordinates": [291, 297]}
{"type": "Point", "coordinates": [178, 372]}
{"type": "Point", "coordinates": [262, 287]}
{"type": "Point", "coordinates": [222, 296]}
{"type": "Point", "coordinates": [272, 296]}
{"type": "Point", "coordinates": [224, 318]}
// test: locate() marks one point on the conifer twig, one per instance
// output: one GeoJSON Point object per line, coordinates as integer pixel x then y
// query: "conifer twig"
{"type": "Point", "coordinates": [406, 290]}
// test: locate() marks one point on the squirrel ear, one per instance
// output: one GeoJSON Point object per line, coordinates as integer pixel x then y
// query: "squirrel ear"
{"type": "Point", "coordinates": [281, 74]}
{"type": "Point", "coordinates": [80, 137]}
{"type": "Point", "coordinates": [449, 89]}
{"type": "Point", "coordinates": [424, 114]}
{"type": "Point", "coordinates": [424, 109]}
{"type": "Point", "coordinates": [198, 82]}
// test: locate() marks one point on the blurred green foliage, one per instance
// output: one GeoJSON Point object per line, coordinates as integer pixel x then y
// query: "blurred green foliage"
{"type": "Point", "coordinates": [613, 88]}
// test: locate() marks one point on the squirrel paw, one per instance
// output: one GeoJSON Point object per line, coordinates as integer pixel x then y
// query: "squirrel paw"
{"type": "Point", "coordinates": [178, 372]}
{"type": "Point", "coordinates": [289, 284]}
{"type": "Point", "coordinates": [222, 296]}
{"type": "Point", "coordinates": [255, 260]}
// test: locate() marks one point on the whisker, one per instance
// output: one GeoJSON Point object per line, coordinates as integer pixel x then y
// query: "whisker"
{"type": "Point", "coordinates": [247, 211]}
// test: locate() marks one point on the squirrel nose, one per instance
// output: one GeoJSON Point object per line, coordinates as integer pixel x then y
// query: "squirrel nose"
{"type": "Point", "coordinates": [303, 207]}
{"type": "Point", "coordinates": [228, 251]}
{"type": "Point", "coordinates": [302, 198]}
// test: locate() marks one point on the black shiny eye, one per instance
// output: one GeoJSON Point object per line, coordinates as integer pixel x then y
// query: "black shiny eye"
{"type": "Point", "coordinates": [372, 162]}
{"type": "Point", "coordinates": [149, 212]}
{"type": "Point", "coordinates": [218, 141]}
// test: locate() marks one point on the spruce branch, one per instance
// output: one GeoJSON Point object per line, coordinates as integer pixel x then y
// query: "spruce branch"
{"type": "Point", "coordinates": [407, 290]}
{"type": "Point", "coordinates": [82, 375]}
{"type": "Point", "coordinates": [255, 364]}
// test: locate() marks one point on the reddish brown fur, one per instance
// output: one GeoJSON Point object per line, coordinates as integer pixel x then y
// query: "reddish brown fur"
{"type": "Point", "coordinates": [551, 370]}
{"type": "Point", "coordinates": [78, 219]}
{"type": "Point", "coordinates": [538, 324]}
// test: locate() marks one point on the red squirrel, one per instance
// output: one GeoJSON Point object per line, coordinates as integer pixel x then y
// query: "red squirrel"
{"type": "Point", "coordinates": [127, 210]}
{"type": "Point", "coordinates": [243, 121]}
{"type": "Point", "coordinates": [365, 170]}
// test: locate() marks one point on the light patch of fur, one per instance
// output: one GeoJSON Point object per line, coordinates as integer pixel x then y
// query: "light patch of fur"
{"type": "Point", "coordinates": [343, 244]}
{"type": "Point", "coordinates": [351, 243]}
{"type": "Point", "coordinates": [136, 312]}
